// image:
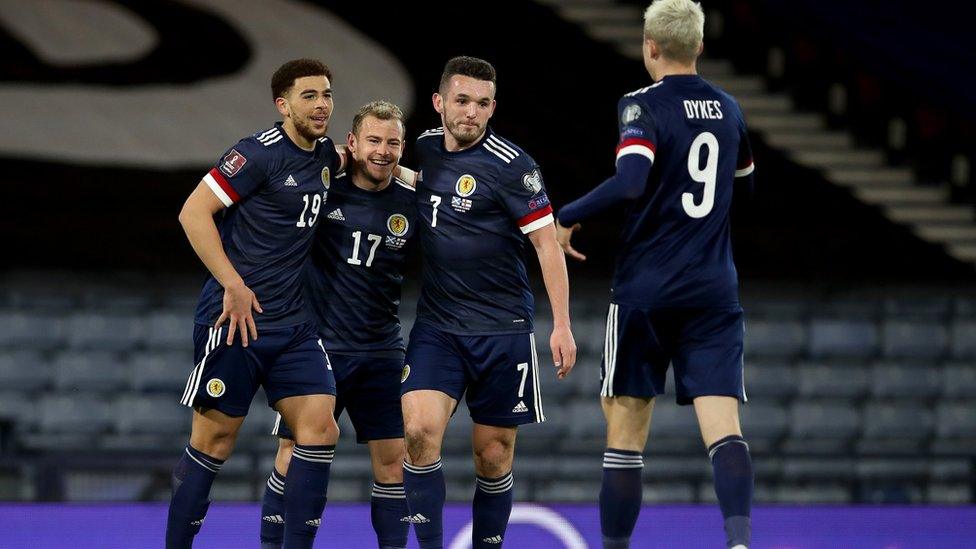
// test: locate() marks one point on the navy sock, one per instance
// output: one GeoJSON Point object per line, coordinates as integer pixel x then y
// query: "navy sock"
{"type": "Point", "coordinates": [491, 508]}
{"type": "Point", "coordinates": [733, 486]}
{"type": "Point", "coordinates": [424, 485]}
{"type": "Point", "coordinates": [620, 496]}
{"type": "Point", "coordinates": [388, 508]}
{"type": "Point", "coordinates": [305, 493]}
{"type": "Point", "coordinates": [192, 478]}
{"type": "Point", "coordinates": [273, 512]}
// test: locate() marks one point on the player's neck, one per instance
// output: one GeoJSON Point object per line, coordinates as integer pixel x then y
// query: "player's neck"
{"type": "Point", "coordinates": [672, 68]}
{"type": "Point", "coordinates": [298, 139]}
{"type": "Point", "coordinates": [366, 184]}
{"type": "Point", "coordinates": [453, 145]}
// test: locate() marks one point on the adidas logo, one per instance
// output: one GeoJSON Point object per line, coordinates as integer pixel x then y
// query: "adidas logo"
{"type": "Point", "coordinates": [415, 519]}
{"type": "Point", "coordinates": [274, 519]}
{"type": "Point", "coordinates": [520, 408]}
{"type": "Point", "coordinates": [337, 215]}
{"type": "Point", "coordinates": [314, 522]}
{"type": "Point", "coordinates": [197, 522]}
{"type": "Point", "coordinates": [493, 540]}
{"type": "Point", "coordinates": [290, 182]}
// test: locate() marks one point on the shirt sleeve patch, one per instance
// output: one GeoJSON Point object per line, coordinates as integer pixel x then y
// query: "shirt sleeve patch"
{"type": "Point", "coordinates": [232, 163]}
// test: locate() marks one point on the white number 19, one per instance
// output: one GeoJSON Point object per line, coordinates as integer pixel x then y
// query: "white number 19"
{"type": "Point", "coordinates": [706, 176]}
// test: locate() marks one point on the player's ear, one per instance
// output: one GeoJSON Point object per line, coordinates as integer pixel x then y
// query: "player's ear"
{"type": "Point", "coordinates": [438, 103]}
{"type": "Point", "coordinates": [282, 105]}
{"type": "Point", "coordinates": [491, 111]}
{"type": "Point", "coordinates": [351, 142]}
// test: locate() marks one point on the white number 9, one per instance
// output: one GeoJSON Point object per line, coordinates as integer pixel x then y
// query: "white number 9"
{"type": "Point", "coordinates": [706, 176]}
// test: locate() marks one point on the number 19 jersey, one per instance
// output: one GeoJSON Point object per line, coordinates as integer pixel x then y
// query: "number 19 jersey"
{"type": "Point", "coordinates": [474, 207]}
{"type": "Point", "coordinates": [677, 250]}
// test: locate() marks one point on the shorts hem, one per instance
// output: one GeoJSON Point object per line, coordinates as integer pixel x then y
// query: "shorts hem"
{"type": "Point", "coordinates": [438, 389]}
{"type": "Point", "coordinates": [504, 421]}
{"type": "Point", "coordinates": [381, 437]}
{"type": "Point", "coordinates": [231, 411]}
{"type": "Point", "coordinates": [688, 400]}
{"type": "Point", "coordinates": [309, 392]}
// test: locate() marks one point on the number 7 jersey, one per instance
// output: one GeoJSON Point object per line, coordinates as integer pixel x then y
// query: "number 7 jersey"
{"type": "Point", "coordinates": [677, 250]}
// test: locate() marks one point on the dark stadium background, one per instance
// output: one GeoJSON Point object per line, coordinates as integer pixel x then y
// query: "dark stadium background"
{"type": "Point", "coordinates": [856, 261]}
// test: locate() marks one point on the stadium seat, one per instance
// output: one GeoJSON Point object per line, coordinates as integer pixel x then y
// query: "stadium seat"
{"type": "Point", "coordinates": [163, 372]}
{"type": "Point", "coordinates": [672, 421]}
{"type": "Point", "coordinates": [959, 381]}
{"type": "Point", "coordinates": [956, 420]}
{"type": "Point", "coordinates": [912, 339]}
{"type": "Point", "coordinates": [586, 420]}
{"type": "Point", "coordinates": [664, 468]}
{"type": "Point", "coordinates": [151, 415]}
{"type": "Point", "coordinates": [668, 492]}
{"type": "Point", "coordinates": [772, 338]}
{"type": "Point", "coordinates": [24, 371]}
{"type": "Point", "coordinates": [928, 307]}
{"type": "Point", "coordinates": [92, 371]}
{"type": "Point", "coordinates": [843, 338]}
{"type": "Point", "coordinates": [75, 414]}
{"type": "Point", "coordinates": [964, 339]}
{"type": "Point", "coordinates": [949, 494]}
{"type": "Point", "coordinates": [17, 408]}
{"type": "Point", "coordinates": [168, 331]}
{"type": "Point", "coordinates": [769, 379]}
{"type": "Point", "coordinates": [764, 421]}
{"type": "Point", "coordinates": [949, 469]}
{"type": "Point", "coordinates": [819, 380]}
{"type": "Point", "coordinates": [901, 427]}
{"type": "Point", "coordinates": [805, 469]}
{"type": "Point", "coordinates": [108, 332]}
{"type": "Point", "coordinates": [569, 491]}
{"type": "Point", "coordinates": [902, 380]}
{"type": "Point", "coordinates": [114, 302]}
{"type": "Point", "coordinates": [31, 331]}
{"type": "Point", "coordinates": [822, 427]}
{"type": "Point", "coordinates": [819, 493]}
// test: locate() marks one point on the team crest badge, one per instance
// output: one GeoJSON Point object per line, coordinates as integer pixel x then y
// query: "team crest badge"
{"type": "Point", "coordinates": [325, 177]}
{"type": "Point", "coordinates": [631, 112]}
{"type": "Point", "coordinates": [216, 387]}
{"type": "Point", "coordinates": [405, 373]}
{"type": "Point", "coordinates": [532, 181]}
{"type": "Point", "coordinates": [397, 224]}
{"type": "Point", "coordinates": [465, 186]}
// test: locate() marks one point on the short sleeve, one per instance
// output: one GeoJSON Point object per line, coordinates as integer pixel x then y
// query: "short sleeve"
{"type": "Point", "coordinates": [523, 194]}
{"type": "Point", "coordinates": [239, 172]}
{"type": "Point", "coordinates": [744, 165]}
{"type": "Point", "coordinates": [638, 134]}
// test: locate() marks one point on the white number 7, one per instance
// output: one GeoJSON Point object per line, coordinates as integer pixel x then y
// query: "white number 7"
{"type": "Point", "coordinates": [524, 368]}
{"type": "Point", "coordinates": [436, 200]}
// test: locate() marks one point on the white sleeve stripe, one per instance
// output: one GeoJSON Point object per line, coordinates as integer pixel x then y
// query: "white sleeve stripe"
{"type": "Point", "coordinates": [636, 149]}
{"type": "Point", "coordinates": [537, 224]}
{"type": "Point", "coordinates": [215, 187]}
{"type": "Point", "coordinates": [745, 171]}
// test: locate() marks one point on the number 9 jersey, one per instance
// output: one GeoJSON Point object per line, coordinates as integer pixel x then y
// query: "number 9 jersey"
{"type": "Point", "coordinates": [677, 250]}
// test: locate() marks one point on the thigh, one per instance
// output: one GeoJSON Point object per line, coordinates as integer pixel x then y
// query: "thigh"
{"type": "Point", "coordinates": [503, 387]}
{"type": "Point", "coordinates": [432, 363]}
{"type": "Point", "coordinates": [224, 378]}
{"type": "Point", "coordinates": [301, 367]}
{"type": "Point", "coordinates": [636, 353]}
{"type": "Point", "coordinates": [708, 360]}
{"type": "Point", "coordinates": [371, 396]}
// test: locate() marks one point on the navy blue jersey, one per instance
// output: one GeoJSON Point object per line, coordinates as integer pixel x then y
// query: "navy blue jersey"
{"type": "Point", "coordinates": [474, 207]}
{"type": "Point", "coordinates": [677, 250]}
{"type": "Point", "coordinates": [353, 279]}
{"type": "Point", "coordinates": [275, 194]}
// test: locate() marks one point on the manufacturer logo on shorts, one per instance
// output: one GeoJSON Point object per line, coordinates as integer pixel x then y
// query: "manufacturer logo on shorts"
{"type": "Point", "coordinates": [520, 408]}
{"type": "Point", "coordinates": [465, 186]}
{"type": "Point", "coordinates": [216, 387]}
{"type": "Point", "coordinates": [397, 224]}
{"type": "Point", "coordinates": [405, 373]}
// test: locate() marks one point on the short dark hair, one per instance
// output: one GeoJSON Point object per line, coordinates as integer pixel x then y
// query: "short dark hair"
{"type": "Point", "coordinates": [467, 66]}
{"type": "Point", "coordinates": [284, 78]}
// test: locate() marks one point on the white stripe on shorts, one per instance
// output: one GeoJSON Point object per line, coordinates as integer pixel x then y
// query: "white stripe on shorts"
{"type": "Point", "coordinates": [193, 383]}
{"type": "Point", "coordinates": [610, 352]}
{"type": "Point", "coordinates": [536, 387]}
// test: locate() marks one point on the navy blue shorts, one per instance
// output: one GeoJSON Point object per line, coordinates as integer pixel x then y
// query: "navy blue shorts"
{"type": "Point", "coordinates": [369, 389]}
{"type": "Point", "coordinates": [287, 362]}
{"type": "Point", "coordinates": [704, 345]}
{"type": "Point", "coordinates": [500, 373]}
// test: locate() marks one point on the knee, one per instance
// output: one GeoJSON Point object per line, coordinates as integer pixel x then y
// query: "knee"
{"type": "Point", "coordinates": [283, 457]}
{"type": "Point", "coordinates": [217, 443]}
{"type": "Point", "coordinates": [494, 458]}
{"type": "Point", "coordinates": [319, 432]}
{"type": "Point", "coordinates": [422, 446]}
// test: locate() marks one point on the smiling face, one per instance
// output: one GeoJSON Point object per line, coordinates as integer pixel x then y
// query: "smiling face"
{"type": "Point", "coordinates": [376, 148]}
{"type": "Point", "coordinates": [465, 105]}
{"type": "Point", "coordinates": [307, 107]}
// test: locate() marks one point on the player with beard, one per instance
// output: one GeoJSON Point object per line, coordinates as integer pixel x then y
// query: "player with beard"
{"type": "Point", "coordinates": [269, 190]}
{"type": "Point", "coordinates": [478, 197]}
{"type": "Point", "coordinates": [353, 287]}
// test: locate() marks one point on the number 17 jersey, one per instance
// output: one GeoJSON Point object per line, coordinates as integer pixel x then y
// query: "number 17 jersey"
{"type": "Point", "coordinates": [677, 250]}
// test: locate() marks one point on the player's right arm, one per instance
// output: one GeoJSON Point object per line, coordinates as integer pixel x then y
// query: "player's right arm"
{"type": "Point", "coordinates": [197, 220]}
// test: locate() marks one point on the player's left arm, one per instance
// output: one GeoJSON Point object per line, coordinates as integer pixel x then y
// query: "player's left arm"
{"type": "Point", "coordinates": [554, 274]}
{"type": "Point", "coordinates": [523, 193]}
{"type": "Point", "coordinates": [635, 157]}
